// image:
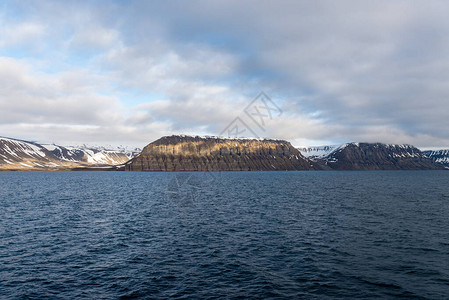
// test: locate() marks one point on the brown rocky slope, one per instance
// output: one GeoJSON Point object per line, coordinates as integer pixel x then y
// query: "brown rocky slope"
{"type": "Point", "coordinates": [194, 153]}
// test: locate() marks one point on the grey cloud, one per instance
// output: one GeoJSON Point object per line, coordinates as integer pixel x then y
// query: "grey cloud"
{"type": "Point", "coordinates": [357, 65]}
{"type": "Point", "coordinates": [343, 70]}
{"type": "Point", "coordinates": [367, 65]}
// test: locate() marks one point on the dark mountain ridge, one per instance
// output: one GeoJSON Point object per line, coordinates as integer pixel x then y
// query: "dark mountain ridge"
{"type": "Point", "coordinates": [377, 156]}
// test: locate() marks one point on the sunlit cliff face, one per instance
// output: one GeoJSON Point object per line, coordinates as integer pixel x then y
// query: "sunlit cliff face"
{"type": "Point", "coordinates": [221, 147]}
{"type": "Point", "coordinates": [218, 154]}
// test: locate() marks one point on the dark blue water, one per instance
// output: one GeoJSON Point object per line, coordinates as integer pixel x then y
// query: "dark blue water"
{"type": "Point", "coordinates": [318, 235]}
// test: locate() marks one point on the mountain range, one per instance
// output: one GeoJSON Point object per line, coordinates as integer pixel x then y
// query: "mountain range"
{"type": "Point", "coordinates": [25, 155]}
{"type": "Point", "coordinates": [195, 153]}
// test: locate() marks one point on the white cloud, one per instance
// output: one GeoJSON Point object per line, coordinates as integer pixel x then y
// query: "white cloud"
{"type": "Point", "coordinates": [95, 38]}
{"type": "Point", "coordinates": [19, 33]}
{"type": "Point", "coordinates": [68, 97]}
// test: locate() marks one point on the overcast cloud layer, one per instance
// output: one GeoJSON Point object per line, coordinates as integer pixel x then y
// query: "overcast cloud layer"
{"type": "Point", "coordinates": [128, 72]}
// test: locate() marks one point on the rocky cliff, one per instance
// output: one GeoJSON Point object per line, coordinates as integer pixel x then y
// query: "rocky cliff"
{"type": "Point", "coordinates": [194, 153]}
{"type": "Point", "coordinates": [376, 156]}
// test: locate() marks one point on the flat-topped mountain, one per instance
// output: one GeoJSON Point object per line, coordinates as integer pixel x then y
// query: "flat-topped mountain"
{"type": "Point", "coordinates": [194, 153]}
{"type": "Point", "coordinates": [372, 156]}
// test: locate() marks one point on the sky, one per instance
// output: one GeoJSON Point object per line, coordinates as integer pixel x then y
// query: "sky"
{"type": "Point", "coordinates": [129, 72]}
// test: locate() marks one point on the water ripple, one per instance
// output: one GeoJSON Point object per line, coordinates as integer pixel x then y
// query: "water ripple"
{"type": "Point", "coordinates": [236, 235]}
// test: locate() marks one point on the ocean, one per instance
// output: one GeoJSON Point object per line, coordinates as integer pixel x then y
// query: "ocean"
{"type": "Point", "coordinates": [226, 235]}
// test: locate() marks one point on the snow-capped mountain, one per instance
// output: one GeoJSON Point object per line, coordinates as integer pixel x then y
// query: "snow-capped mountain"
{"type": "Point", "coordinates": [438, 156]}
{"type": "Point", "coordinates": [23, 155]}
{"type": "Point", "coordinates": [17, 154]}
{"type": "Point", "coordinates": [319, 152]}
{"type": "Point", "coordinates": [130, 152]}
{"type": "Point", "coordinates": [370, 156]}
{"type": "Point", "coordinates": [91, 155]}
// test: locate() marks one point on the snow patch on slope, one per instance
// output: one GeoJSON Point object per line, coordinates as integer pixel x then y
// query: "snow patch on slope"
{"type": "Point", "coordinates": [25, 147]}
{"type": "Point", "coordinates": [320, 152]}
{"type": "Point", "coordinates": [438, 156]}
{"type": "Point", "coordinates": [18, 154]}
{"type": "Point", "coordinates": [95, 155]}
